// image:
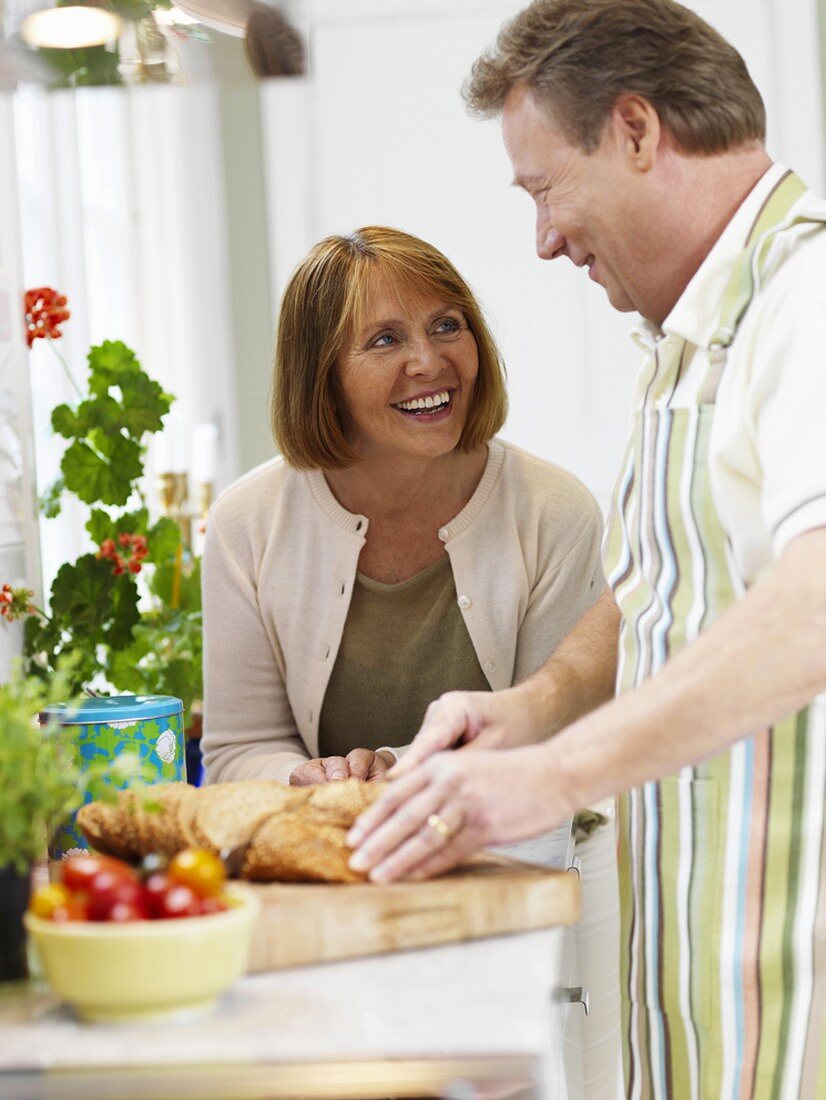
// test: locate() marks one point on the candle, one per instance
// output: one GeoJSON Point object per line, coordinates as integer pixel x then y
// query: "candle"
{"type": "Point", "coordinates": [170, 450]}
{"type": "Point", "coordinates": [204, 453]}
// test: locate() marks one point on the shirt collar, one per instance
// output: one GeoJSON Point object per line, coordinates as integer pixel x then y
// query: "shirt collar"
{"type": "Point", "coordinates": [696, 313]}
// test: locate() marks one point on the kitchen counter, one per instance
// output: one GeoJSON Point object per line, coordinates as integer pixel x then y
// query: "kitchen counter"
{"type": "Point", "coordinates": [402, 1024]}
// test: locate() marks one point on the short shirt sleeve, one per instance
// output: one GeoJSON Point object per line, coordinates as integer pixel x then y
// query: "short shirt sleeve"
{"type": "Point", "coordinates": [787, 396]}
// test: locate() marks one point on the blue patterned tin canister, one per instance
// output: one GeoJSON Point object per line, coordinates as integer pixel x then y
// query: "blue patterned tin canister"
{"type": "Point", "coordinates": [152, 725]}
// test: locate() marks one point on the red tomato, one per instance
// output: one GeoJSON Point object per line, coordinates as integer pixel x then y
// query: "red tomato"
{"type": "Point", "coordinates": [109, 888]}
{"type": "Point", "coordinates": [154, 889]}
{"type": "Point", "coordinates": [179, 901]}
{"type": "Point", "coordinates": [201, 871]}
{"type": "Point", "coordinates": [213, 905]}
{"type": "Point", "coordinates": [77, 872]}
{"type": "Point", "coordinates": [128, 910]}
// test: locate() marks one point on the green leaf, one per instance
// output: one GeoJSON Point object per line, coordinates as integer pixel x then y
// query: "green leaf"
{"type": "Point", "coordinates": [163, 540]}
{"type": "Point", "coordinates": [101, 525]}
{"type": "Point", "coordinates": [124, 612]}
{"type": "Point", "coordinates": [82, 596]}
{"type": "Point", "coordinates": [65, 422]}
{"type": "Point", "coordinates": [144, 404]}
{"type": "Point", "coordinates": [110, 363]}
{"type": "Point", "coordinates": [105, 478]}
{"type": "Point", "coordinates": [49, 502]}
{"type": "Point", "coordinates": [189, 584]}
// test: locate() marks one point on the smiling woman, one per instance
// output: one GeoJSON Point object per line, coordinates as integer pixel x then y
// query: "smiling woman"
{"type": "Point", "coordinates": [397, 550]}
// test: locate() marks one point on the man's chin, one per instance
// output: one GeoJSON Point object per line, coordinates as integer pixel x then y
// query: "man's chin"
{"type": "Point", "coordinates": [619, 299]}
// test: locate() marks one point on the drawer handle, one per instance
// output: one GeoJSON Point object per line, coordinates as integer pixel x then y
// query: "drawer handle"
{"type": "Point", "coordinates": [572, 995]}
{"type": "Point", "coordinates": [575, 867]}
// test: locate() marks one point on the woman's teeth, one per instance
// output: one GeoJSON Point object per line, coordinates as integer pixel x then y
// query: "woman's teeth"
{"type": "Point", "coordinates": [434, 403]}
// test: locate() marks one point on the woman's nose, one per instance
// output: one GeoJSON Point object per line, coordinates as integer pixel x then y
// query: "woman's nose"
{"type": "Point", "coordinates": [424, 358]}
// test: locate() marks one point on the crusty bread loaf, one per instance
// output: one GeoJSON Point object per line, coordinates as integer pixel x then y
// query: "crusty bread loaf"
{"type": "Point", "coordinates": [291, 834]}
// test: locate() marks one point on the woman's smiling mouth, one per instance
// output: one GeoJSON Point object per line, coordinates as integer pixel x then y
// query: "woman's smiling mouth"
{"type": "Point", "coordinates": [427, 406]}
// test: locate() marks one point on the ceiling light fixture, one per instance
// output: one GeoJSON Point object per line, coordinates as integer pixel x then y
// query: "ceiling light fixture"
{"type": "Point", "coordinates": [70, 28]}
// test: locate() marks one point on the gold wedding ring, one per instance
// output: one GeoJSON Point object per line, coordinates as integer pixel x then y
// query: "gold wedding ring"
{"type": "Point", "coordinates": [441, 827]}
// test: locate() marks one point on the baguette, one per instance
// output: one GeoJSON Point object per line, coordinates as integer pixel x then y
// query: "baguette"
{"type": "Point", "coordinates": [286, 834]}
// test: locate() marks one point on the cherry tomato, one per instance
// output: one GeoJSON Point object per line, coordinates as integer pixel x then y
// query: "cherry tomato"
{"type": "Point", "coordinates": [201, 871]}
{"type": "Point", "coordinates": [77, 872]}
{"type": "Point", "coordinates": [47, 899]}
{"type": "Point", "coordinates": [128, 910]}
{"type": "Point", "coordinates": [76, 908]}
{"type": "Point", "coordinates": [179, 901]}
{"type": "Point", "coordinates": [213, 905]}
{"type": "Point", "coordinates": [109, 888]}
{"type": "Point", "coordinates": [154, 889]}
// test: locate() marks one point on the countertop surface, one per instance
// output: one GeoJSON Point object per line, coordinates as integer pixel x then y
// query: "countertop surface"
{"type": "Point", "coordinates": [473, 999]}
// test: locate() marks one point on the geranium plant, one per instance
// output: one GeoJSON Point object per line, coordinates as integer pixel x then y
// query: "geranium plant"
{"type": "Point", "coordinates": [128, 612]}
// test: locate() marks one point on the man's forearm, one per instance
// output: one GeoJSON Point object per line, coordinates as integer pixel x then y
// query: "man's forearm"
{"type": "Point", "coordinates": [761, 661]}
{"type": "Point", "coordinates": [580, 674]}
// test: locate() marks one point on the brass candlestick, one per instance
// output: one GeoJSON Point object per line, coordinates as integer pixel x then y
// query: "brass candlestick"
{"type": "Point", "coordinates": [173, 493]}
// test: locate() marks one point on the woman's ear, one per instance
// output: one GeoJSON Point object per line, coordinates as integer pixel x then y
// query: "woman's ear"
{"type": "Point", "coordinates": [637, 130]}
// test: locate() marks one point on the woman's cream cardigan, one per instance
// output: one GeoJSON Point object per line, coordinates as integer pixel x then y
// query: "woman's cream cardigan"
{"type": "Point", "coordinates": [278, 571]}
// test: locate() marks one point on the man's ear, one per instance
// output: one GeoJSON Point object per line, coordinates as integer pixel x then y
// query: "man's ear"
{"type": "Point", "coordinates": [637, 130]}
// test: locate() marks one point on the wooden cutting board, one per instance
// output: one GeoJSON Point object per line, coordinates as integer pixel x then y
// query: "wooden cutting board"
{"type": "Point", "coordinates": [317, 922]}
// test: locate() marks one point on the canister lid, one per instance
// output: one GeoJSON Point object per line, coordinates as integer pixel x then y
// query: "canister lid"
{"type": "Point", "coordinates": [115, 708]}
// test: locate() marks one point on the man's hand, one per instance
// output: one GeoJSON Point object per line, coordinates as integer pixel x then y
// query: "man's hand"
{"type": "Point", "coordinates": [358, 764]}
{"type": "Point", "coordinates": [478, 719]}
{"type": "Point", "coordinates": [453, 804]}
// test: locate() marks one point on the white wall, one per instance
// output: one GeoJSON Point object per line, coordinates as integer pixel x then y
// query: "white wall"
{"type": "Point", "coordinates": [379, 135]}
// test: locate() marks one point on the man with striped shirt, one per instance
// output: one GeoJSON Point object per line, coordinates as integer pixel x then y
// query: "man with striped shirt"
{"type": "Point", "coordinates": [639, 134]}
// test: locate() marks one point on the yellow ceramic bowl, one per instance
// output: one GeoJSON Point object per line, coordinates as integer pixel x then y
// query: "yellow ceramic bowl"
{"type": "Point", "coordinates": [147, 969]}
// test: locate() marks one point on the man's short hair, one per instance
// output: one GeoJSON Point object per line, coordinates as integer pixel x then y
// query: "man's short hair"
{"type": "Point", "coordinates": [578, 56]}
{"type": "Point", "coordinates": [324, 305]}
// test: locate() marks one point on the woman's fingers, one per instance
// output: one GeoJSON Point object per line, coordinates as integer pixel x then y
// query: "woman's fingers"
{"type": "Point", "coordinates": [439, 834]}
{"type": "Point", "coordinates": [359, 762]}
{"type": "Point", "coordinates": [336, 767]}
{"type": "Point", "coordinates": [308, 774]}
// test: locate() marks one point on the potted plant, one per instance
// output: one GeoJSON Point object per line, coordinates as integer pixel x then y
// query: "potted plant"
{"type": "Point", "coordinates": [127, 613]}
{"type": "Point", "coordinates": [42, 785]}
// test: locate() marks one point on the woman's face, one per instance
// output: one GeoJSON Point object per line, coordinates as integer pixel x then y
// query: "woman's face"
{"type": "Point", "coordinates": [406, 382]}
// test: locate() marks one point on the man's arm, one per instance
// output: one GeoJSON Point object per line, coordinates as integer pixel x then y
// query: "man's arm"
{"type": "Point", "coordinates": [577, 677]}
{"type": "Point", "coordinates": [759, 662]}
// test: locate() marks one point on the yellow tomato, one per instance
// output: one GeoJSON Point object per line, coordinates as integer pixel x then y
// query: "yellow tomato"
{"type": "Point", "coordinates": [48, 898]}
{"type": "Point", "coordinates": [201, 871]}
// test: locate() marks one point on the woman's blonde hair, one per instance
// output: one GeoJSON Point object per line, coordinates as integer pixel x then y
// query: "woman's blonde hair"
{"type": "Point", "coordinates": [325, 303]}
{"type": "Point", "coordinates": [579, 56]}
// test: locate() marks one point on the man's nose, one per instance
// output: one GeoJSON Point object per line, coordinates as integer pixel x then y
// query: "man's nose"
{"type": "Point", "coordinates": [549, 242]}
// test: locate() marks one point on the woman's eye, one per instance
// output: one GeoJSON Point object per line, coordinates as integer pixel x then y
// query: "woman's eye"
{"type": "Point", "coordinates": [383, 340]}
{"type": "Point", "coordinates": [448, 325]}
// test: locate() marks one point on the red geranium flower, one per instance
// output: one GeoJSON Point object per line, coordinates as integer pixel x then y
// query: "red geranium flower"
{"type": "Point", "coordinates": [45, 312]}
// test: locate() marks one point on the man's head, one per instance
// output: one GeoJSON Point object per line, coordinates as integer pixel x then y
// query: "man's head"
{"type": "Point", "coordinates": [629, 122]}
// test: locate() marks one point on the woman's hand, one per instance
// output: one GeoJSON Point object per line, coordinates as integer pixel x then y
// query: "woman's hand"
{"type": "Point", "coordinates": [454, 803]}
{"type": "Point", "coordinates": [486, 720]}
{"type": "Point", "coordinates": [358, 764]}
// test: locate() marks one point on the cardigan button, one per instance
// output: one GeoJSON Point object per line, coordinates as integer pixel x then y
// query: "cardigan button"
{"type": "Point", "coordinates": [464, 602]}
{"type": "Point", "coordinates": [489, 666]}
{"type": "Point", "coordinates": [443, 533]}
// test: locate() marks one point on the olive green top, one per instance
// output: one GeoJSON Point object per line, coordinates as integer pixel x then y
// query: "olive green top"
{"type": "Point", "coordinates": [403, 645]}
